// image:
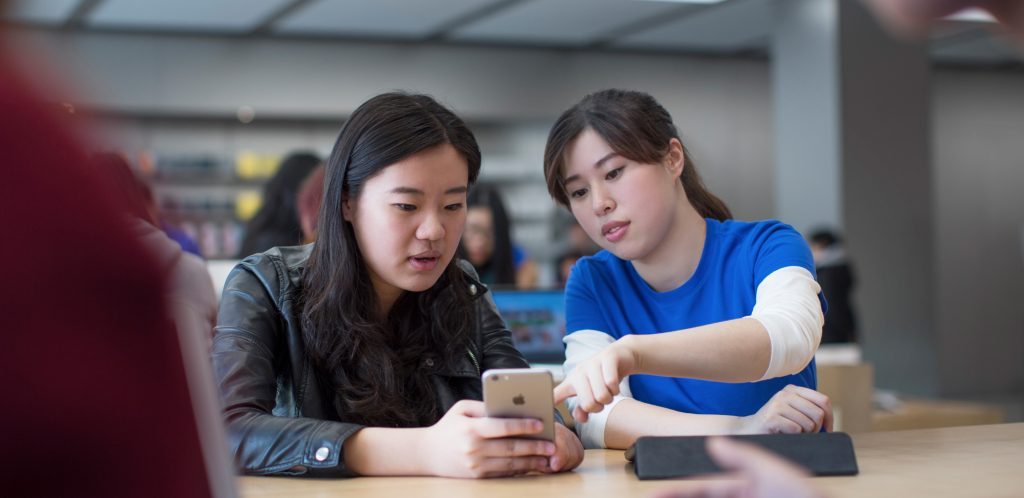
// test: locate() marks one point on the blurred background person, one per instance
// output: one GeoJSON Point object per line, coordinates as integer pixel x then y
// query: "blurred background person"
{"type": "Point", "coordinates": [311, 195]}
{"type": "Point", "coordinates": [143, 201]}
{"type": "Point", "coordinates": [564, 264]}
{"type": "Point", "coordinates": [91, 363]}
{"type": "Point", "coordinates": [575, 244]}
{"type": "Point", "coordinates": [487, 242]}
{"type": "Point", "coordinates": [837, 280]}
{"type": "Point", "coordinates": [276, 223]}
{"type": "Point", "coordinates": [189, 290]}
{"type": "Point", "coordinates": [169, 223]}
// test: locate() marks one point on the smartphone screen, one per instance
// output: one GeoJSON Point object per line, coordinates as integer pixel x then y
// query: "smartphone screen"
{"type": "Point", "coordinates": [521, 393]}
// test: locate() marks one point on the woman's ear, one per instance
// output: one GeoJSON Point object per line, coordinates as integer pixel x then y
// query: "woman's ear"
{"type": "Point", "coordinates": [675, 160]}
{"type": "Point", "coordinates": [347, 212]}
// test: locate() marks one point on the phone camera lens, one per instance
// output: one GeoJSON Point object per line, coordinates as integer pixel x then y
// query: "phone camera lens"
{"type": "Point", "coordinates": [494, 378]}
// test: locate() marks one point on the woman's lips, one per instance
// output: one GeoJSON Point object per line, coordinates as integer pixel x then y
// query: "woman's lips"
{"type": "Point", "coordinates": [425, 261]}
{"type": "Point", "coordinates": [614, 231]}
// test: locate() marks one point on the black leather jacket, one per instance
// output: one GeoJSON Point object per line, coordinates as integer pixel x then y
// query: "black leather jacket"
{"type": "Point", "coordinates": [276, 418]}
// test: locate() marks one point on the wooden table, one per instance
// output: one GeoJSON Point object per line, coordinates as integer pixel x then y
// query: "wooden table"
{"type": "Point", "coordinates": [932, 414]}
{"type": "Point", "coordinates": [958, 461]}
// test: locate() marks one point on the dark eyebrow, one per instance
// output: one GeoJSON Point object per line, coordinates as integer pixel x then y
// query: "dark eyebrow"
{"type": "Point", "coordinates": [597, 164]}
{"type": "Point", "coordinates": [416, 191]}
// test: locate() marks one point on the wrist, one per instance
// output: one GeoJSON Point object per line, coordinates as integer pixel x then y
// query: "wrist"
{"type": "Point", "coordinates": [419, 445]}
{"type": "Point", "coordinates": [629, 348]}
{"type": "Point", "coordinates": [363, 451]}
{"type": "Point", "coordinates": [742, 425]}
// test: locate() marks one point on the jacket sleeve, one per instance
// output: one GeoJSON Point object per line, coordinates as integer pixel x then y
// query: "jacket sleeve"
{"type": "Point", "coordinates": [248, 325]}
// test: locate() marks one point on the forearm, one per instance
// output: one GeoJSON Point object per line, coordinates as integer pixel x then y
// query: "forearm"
{"type": "Point", "coordinates": [779, 337]}
{"type": "Point", "coordinates": [631, 419]}
{"type": "Point", "coordinates": [376, 451]}
{"type": "Point", "coordinates": [731, 351]}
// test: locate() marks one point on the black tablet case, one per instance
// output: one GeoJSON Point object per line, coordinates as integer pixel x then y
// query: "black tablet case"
{"type": "Point", "coordinates": [822, 454]}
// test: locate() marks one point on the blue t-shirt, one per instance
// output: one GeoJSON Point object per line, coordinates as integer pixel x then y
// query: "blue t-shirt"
{"type": "Point", "coordinates": [606, 294]}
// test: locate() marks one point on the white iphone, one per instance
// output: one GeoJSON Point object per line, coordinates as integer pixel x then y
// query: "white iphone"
{"type": "Point", "coordinates": [521, 393]}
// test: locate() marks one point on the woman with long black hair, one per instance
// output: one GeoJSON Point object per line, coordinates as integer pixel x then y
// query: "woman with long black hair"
{"type": "Point", "coordinates": [361, 353]}
{"type": "Point", "coordinates": [276, 223]}
{"type": "Point", "coordinates": [487, 243]}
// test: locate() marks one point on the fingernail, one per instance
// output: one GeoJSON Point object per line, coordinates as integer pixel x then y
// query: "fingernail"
{"type": "Point", "coordinates": [549, 448]}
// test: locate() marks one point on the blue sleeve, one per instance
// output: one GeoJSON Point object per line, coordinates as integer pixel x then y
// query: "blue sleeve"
{"type": "Point", "coordinates": [778, 245]}
{"type": "Point", "coordinates": [182, 238]}
{"type": "Point", "coordinates": [582, 310]}
{"type": "Point", "coordinates": [518, 256]}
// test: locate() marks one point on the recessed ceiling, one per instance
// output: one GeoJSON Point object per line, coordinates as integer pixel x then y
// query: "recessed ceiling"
{"type": "Point", "coordinates": [379, 18]}
{"type": "Point", "coordinates": [183, 15]}
{"type": "Point", "coordinates": [45, 12]}
{"type": "Point", "coordinates": [562, 22]}
{"type": "Point", "coordinates": [728, 27]}
{"type": "Point", "coordinates": [725, 28]}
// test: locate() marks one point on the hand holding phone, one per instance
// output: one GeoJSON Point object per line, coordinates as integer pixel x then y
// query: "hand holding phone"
{"type": "Point", "coordinates": [468, 443]}
{"type": "Point", "coordinates": [521, 393]}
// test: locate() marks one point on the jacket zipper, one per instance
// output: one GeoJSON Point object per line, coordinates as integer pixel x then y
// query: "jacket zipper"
{"type": "Point", "coordinates": [473, 357]}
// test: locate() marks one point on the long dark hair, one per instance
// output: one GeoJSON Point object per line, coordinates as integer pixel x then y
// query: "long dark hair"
{"type": "Point", "coordinates": [501, 265]}
{"type": "Point", "coordinates": [277, 221]}
{"type": "Point", "coordinates": [636, 127]}
{"type": "Point", "coordinates": [372, 366]}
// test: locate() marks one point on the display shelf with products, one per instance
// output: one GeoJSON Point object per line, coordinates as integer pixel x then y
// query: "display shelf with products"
{"type": "Point", "coordinates": [208, 173]}
{"type": "Point", "coordinates": [209, 197]}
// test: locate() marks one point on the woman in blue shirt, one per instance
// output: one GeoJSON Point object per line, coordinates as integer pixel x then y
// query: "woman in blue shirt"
{"type": "Point", "coordinates": [687, 322]}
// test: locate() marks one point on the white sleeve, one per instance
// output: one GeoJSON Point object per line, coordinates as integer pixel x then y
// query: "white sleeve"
{"type": "Point", "coordinates": [787, 305]}
{"type": "Point", "coordinates": [580, 346]}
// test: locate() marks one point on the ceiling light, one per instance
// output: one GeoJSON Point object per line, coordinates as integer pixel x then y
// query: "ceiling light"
{"type": "Point", "coordinates": [973, 15]}
{"type": "Point", "coordinates": [684, 1]}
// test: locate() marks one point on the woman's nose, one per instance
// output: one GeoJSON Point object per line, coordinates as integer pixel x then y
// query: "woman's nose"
{"type": "Point", "coordinates": [430, 229]}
